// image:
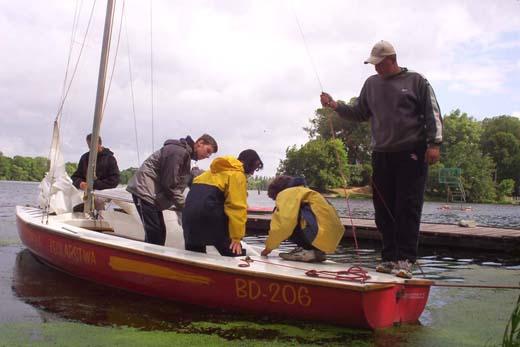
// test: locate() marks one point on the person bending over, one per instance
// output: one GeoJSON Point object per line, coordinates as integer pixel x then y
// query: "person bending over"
{"type": "Point", "coordinates": [160, 182]}
{"type": "Point", "coordinates": [303, 216]}
{"type": "Point", "coordinates": [216, 206]}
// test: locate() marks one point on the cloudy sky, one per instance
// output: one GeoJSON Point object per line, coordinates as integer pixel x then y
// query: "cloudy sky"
{"type": "Point", "coordinates": [239, 70]}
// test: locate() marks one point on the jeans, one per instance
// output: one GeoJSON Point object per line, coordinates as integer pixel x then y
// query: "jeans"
{"type": "Point", "coordinates": [153, 221]}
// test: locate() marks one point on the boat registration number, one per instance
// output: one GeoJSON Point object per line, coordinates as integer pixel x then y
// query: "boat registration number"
{"type": "Point", "coordinates": [273, 292]}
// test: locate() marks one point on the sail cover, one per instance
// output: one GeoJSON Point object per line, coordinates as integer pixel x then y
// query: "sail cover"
{"type": "Point", "coordinates": [57, 193]}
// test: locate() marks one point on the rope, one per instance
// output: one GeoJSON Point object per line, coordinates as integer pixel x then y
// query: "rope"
{"type": "Point", "coordinates": [344, 181]}
{"type": "Point", "coordinates": [333, 134]}
{"type": "Point", "coordinates": [115, 57]}
{"type": "Point", "coordinates": [383, 201]}
{"type": "Point", "coordinates": [151, 71]}
{"type": "Point", "coordinates": [77, 11]}
{"type": "Point", "coordinates": [308, 51]}
{"type": "Point", "coordinates": [132, 92]}
{"type": "Point", "coordinates": [60, 108]}
{"type": "Point", "coordinates": [358, 274]}
{"type": "Point", "coordinates": [65, 91]}
{"type": "Point", "coordinates": [352, 274]}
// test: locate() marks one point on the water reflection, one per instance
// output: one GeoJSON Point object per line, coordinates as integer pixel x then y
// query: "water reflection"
{"type": "Point", "coordinates": [58, 296]}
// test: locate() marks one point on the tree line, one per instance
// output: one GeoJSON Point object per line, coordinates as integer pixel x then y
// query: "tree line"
{"type": "Point", "coordinates": [486, 153]}
{"type": "Point", "coordinates": [34, 169]}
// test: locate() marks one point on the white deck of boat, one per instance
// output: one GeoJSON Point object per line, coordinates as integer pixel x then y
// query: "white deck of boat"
{"type": "Point", "coordinates": [271, 267]}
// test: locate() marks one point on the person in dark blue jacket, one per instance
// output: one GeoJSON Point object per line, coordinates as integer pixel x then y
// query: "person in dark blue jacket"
{"type": "Point", "coordinates": [107, 172]}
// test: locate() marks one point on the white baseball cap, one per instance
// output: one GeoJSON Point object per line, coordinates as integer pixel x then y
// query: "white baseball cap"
{"type": "Point", "coordinates": [381, 50]}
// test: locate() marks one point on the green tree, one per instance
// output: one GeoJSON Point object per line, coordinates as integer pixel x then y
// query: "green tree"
{"type": "Point", "coordinates": [71, 168]}
{"type": "Point", "coordinates": [21, 168]}
{"type": "Point", "coordinates": [355, 135]}
{"type": "Point", "coordinates": [461, 148]}
{"type": "Point", "coordinates": [505, 188]}
{"type": "Point", "coordinates": [317, 162]}
{"type": "Point", "coordinates": [501, 140]}
{"type": "Point", "coordinates": [6, 164]}
{"type": "Point", "coordinates": [39, 166]}
{"type": "Point", "coordinates": [126, 174]}
{"type": "Point", "coordinates": [258, 182]}
{"type": "Point", "coordinates": [360, 174]}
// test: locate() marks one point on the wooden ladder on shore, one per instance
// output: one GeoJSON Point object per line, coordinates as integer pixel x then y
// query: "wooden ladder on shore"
{"type": "Point", "coordinates": [451, 178]}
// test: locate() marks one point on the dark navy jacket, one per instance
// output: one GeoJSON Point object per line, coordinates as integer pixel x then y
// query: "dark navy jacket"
{"type": "Point", "coordinates": [107, 171]}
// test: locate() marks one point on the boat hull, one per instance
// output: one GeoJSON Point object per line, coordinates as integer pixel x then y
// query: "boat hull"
{"type": "Point", "coordinates": [206, 286]}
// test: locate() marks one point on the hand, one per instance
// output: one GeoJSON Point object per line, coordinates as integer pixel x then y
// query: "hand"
{"type": "Point", "coordinates": [265, 252]}
{"type": "Point", "coordinates": [433, 154]}
{"type": "Point", "coordinates": [328, 101]}
{"type": "Point", "coordinates": [83, 185]}
{"type": "Point", "coordinates": [236, 247]}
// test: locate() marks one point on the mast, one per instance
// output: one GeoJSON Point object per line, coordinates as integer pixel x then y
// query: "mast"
{"type": "Point", "coordinates": [98, 111]}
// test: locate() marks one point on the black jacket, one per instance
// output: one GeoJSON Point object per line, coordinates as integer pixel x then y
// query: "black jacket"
{"type": "Point", "coordinates": [107, 171]}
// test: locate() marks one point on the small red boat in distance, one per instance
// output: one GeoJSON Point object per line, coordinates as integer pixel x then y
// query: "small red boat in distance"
{"type": "Point", "coordinates": [259, 210]}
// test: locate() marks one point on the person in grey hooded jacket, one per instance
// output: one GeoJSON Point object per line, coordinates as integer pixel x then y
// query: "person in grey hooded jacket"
{"type": "Point", "coordinates": [406, 127]}
{"type": "Point", "coordinates": [160, 181]}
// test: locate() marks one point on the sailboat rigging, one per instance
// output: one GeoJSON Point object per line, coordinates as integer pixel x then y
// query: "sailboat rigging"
{"type": "Point", "coordinates": [98, 112]}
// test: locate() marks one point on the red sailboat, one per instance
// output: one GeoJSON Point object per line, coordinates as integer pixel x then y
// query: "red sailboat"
{"type": "Point", "coordinates": [108, 249]}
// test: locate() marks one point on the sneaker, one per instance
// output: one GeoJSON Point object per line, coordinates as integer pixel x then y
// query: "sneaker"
{"type": "Point", "coordinates": [404, 269]}
{"type": "Point", "coordinates": [305, 255]}
{"type": "Point", "coordinates": [386, 267]}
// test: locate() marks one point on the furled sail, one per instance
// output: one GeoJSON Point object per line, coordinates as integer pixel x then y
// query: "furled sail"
{"type": "Point", "coordinates": [57, 193]}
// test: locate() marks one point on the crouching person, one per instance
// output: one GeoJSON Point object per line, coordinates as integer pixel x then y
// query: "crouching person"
{"type": "Point", "coordinates": [305, 217]}
{"type": "Point", "coordinates": [215, 212]}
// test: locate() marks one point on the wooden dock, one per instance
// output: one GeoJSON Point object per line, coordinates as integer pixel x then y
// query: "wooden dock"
{"type": "Point", "coordinates": [444, 235]}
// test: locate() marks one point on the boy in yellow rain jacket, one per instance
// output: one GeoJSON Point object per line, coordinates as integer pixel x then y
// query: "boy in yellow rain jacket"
{"type": "Point", "coordinates": [305, 217]}
{"type": "Point", "coordinates": [216, 206]}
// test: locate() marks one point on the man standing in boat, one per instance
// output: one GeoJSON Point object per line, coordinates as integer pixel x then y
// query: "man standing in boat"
{"type": "Point", "coordinates": [160, 181]}
{"type": "Point", "coordinates": [406, 128]}
{"type": "Point", "coordinates": [107, 172]}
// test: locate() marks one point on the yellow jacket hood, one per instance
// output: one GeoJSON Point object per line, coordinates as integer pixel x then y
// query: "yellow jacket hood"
{"type": "Point", "coordinates": [226, 163]}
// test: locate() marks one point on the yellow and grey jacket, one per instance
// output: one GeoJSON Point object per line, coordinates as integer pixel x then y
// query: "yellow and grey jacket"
{"type": "Point", "coordinates": [288, 217]}
{"type": "Point", "coordinates": [226, 177]}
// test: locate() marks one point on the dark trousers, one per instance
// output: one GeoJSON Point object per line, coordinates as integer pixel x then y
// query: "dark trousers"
{"type": "Point", "coordinates": [153, 221]}
{"type": "Point", "coordinates": [303, 237]}
{"type": "Point", "coordinates": [398, 183]}
{"type": "Point", "coordinates": [300, 241]}
{"type": "Point", "coordinates": [204, 221]}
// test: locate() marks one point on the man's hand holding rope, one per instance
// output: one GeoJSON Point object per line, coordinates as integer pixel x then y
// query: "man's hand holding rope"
{"type": "Point", "coordinates": [328, 101]}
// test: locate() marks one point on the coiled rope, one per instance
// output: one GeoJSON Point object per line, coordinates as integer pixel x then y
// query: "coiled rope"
{"type": "Point", "coordinates": [359, 275]}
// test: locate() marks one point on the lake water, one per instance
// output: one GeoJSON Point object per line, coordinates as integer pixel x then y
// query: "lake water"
{"type": "Point", "coordinates": [501, 216]}
{"type": "Point", "coordinates": [34, 297]}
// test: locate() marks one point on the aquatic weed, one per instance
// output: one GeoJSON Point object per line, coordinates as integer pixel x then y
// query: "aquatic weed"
{"type": "Point", "coordinates": [512, 332]}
